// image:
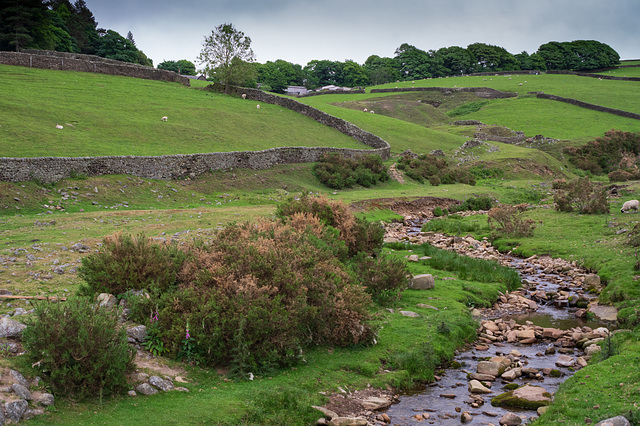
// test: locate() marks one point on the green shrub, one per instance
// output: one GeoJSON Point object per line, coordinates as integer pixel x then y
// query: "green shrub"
{"type": "Point", "coordinates": [484, 172]}
{"type": "Point", "coordinates": [434, 169]}
{"type": "Point", "coordinates": [437, 212]}
{"type": "Point", "coordinates": [127, 263]}
{"type": "Point", "coordinates": [384, 277]}
{"type": "Point", "coordinates": [582, 196]}
{"type": "Point", "coordinates": [358, 234]}
{"type": "Point", "coordinates": [80, 349]}
{"type": "Point", "coordinates": [261, 292]}
{"type": "Point", "coordinates": [483, 202]}
{"type": "Point", "coordinates": [336, 171]}
{"type": "Point", "coordinates": [615, 150]}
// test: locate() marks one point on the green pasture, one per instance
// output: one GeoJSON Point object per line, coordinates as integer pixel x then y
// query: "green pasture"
{"type": "Point", "coordinates": [609, 93]}
{"type": "Point", "coordinates": [113, 115]}
{"type": "Point", "coordinates": [623, 72]}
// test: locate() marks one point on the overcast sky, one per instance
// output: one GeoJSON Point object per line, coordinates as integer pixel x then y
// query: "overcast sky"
{"type": "Point", "coordinates": [302, 30]}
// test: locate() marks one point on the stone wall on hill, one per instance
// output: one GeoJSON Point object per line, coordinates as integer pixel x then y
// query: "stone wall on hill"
{"type": "Point", "coordinates": [51, 169]}
{"type": "Point", "coordinates": [575, 102]}
{"type": "Point", "coordinates": [65, 61]}
{"type": "Point", "coordinates": [481, 92]}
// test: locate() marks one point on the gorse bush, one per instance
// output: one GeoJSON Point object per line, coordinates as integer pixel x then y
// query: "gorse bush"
{"type": "Point", "coordinates": [125, 262]}
{"type": "Point", "coordinates": [384, 277]}
{"type": "Point", "coordinates": [358, 234]}
{"type": "Point", "coordinates": [474, 204]}
{"type": "Point", "coordinates": [258, 294]}
{"type": "Point", "coordinates": [337, 171]}
{"type": "Point", "coordinates": [433, 169]}
{"type": "Point", "coordinates": [79, 347]}
{"type": "Point", "coordinates": [582, 196]}
{"type": "Point", "coordinates": [507, 221]}
{"type": "Point", "coordinates": [281, 281]}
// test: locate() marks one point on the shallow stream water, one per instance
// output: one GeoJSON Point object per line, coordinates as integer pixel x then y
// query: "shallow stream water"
{"type": "Point", "coordinates": [446, 410]}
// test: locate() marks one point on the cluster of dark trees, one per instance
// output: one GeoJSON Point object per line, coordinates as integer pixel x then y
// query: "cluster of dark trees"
{"type": "Point", "coordinates": [63, 26]}
{"type": "Point", "coordinates": [411, 63]}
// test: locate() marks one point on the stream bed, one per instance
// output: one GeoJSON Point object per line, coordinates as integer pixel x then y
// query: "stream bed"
{"type": "Point", "coordinates": [546, 343]}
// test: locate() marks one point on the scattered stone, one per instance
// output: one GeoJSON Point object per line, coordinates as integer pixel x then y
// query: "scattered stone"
{"type": "Point", "coordinates": [423, 282]}
{"type": "Point", "coordinates": [565, 361]}
{"type": "Point", "coordinates": [614, 421]}
{"type": "Point", "coordinates": [46, 399]}
{"type": "Point", "coordinates": [409, 314]}
{"type": "Point", "coordinates": [17, 377]}
{"type": "Point", "coordinates": [510, 419]}
{"type": "Point", "coordinates": [160, 383]}
{"type": "Point", "coordinates": [376, 403]}
{"type": "Point", "coordinates": [146, 389]}
{"type": "Point", "coordinates": [132, 393]}
{"type": "Point", "coordinates": [21, 391]}
{"type": "Point", "coordinates": [466, 417]}
{"type": "Point", "coordinates": [15, 409]}
{"type": "Point", "coordinates": [137, 334]}
{"type": "Point", "coordinates": [31, 413]}
{"type": "Point", "coordinates": [476, 387]}
{"type": "Point", "coordinates": [10, 327]}
{"type": "Point", "coordinates": [490, 367]}
{"type": "Point", "coordinates": [106, 300]}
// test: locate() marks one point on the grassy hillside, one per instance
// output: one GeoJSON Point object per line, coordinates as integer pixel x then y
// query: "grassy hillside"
{"type": "Point", "coordinates": [115, 115]}
{"type": "Point", "coordinates": [112, 115]}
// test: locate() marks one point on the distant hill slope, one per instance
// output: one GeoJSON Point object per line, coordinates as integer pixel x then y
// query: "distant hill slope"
{"type": "Point", "coordinates": [105, 115]}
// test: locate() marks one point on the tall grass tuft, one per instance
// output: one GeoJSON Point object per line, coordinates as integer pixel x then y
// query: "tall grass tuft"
{"type": "Point", "coordinates": [468, 268]}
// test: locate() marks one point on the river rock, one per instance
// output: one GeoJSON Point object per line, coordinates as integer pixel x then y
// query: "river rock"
{"type": "Point", "coordinates": [614, 421]}
{"type": "Point", "coordinates": [565, 361]}
{"type": "Point", "coordinates": [527, 397]}
{"type": "Point", "coordinates": [510, 419]}
{"type": "Point", "coordinates": [591, 281]}
{"type": "Point", "coordinates": [466, 417]}
{"type": "Point", "coordinates": [605, 313]}
{"type": "Point", "coordinates": [512, 374]}
{"type": "Point", "coordinates": [376, 403]}
{"type": "Point", "coordinates": [482, 377]}
{"type": "Point", "coordinates": [477, 387]}
{"type": "Point", "coordinates": [527, 334]}
{"type": "Point", "coordinates": [423, 282]}
{"type": "Point", "coordinates": [328, 414]}
{"type": "Point", "coordinates": [592, 349]}
{"type": "Point", "coordinates": [347, 421]}
{"type": "Point", "coordinates": [552, 333]}
{"type": "Point", "coordinates": [10, 328]}
{"type": "Point", "coordinates": [492, 368]}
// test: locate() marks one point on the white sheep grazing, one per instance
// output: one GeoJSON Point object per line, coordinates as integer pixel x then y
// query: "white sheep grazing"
{"type": "Point", "coordinates": [244, 96]}
{"type": "Point", "coordinates": [59, 126]}
{"type": "Point", "coordinates": [365, 110]}
{"type": "Point", "coordinates": [630, 205]}
{"type": "Point", "coordinates": [164, 118]}
{"type": "Point", "coordinates": [372, 112]}
{"type": "Point", "coordinates": [258, 106]}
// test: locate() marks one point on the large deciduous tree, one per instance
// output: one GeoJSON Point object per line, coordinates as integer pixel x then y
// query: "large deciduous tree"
{"type": "Point", "coordinates": [226, 54]}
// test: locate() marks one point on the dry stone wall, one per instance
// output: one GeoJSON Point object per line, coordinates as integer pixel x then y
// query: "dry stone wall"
{"type": "Point", "coordinates": [86, 63]}
{"type": "Point", "coordinates": [481, 92]}
{"type": "Point", "coordinates": [598, 76]}
{"type": "Point", "coordinates": [627, 114]}
{"type": "Point", "coordinates": [51, 169]}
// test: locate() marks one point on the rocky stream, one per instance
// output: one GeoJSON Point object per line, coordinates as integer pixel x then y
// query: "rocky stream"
{"type": "Point", "coordinates": [528, 343]}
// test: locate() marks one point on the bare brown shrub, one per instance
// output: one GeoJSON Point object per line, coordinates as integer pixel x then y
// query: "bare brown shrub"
{"type": "Point", "coordinates": [506, 220]}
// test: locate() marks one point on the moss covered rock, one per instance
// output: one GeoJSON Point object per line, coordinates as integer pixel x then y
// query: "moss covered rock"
{"type": "Point", "coordinates": [527, 397]}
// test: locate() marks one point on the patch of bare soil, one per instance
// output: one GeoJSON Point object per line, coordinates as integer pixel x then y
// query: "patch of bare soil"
{"type": "Point", "coordinates": [406, 206]}
{"type": "Point", "coordinates": [157, 365]}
